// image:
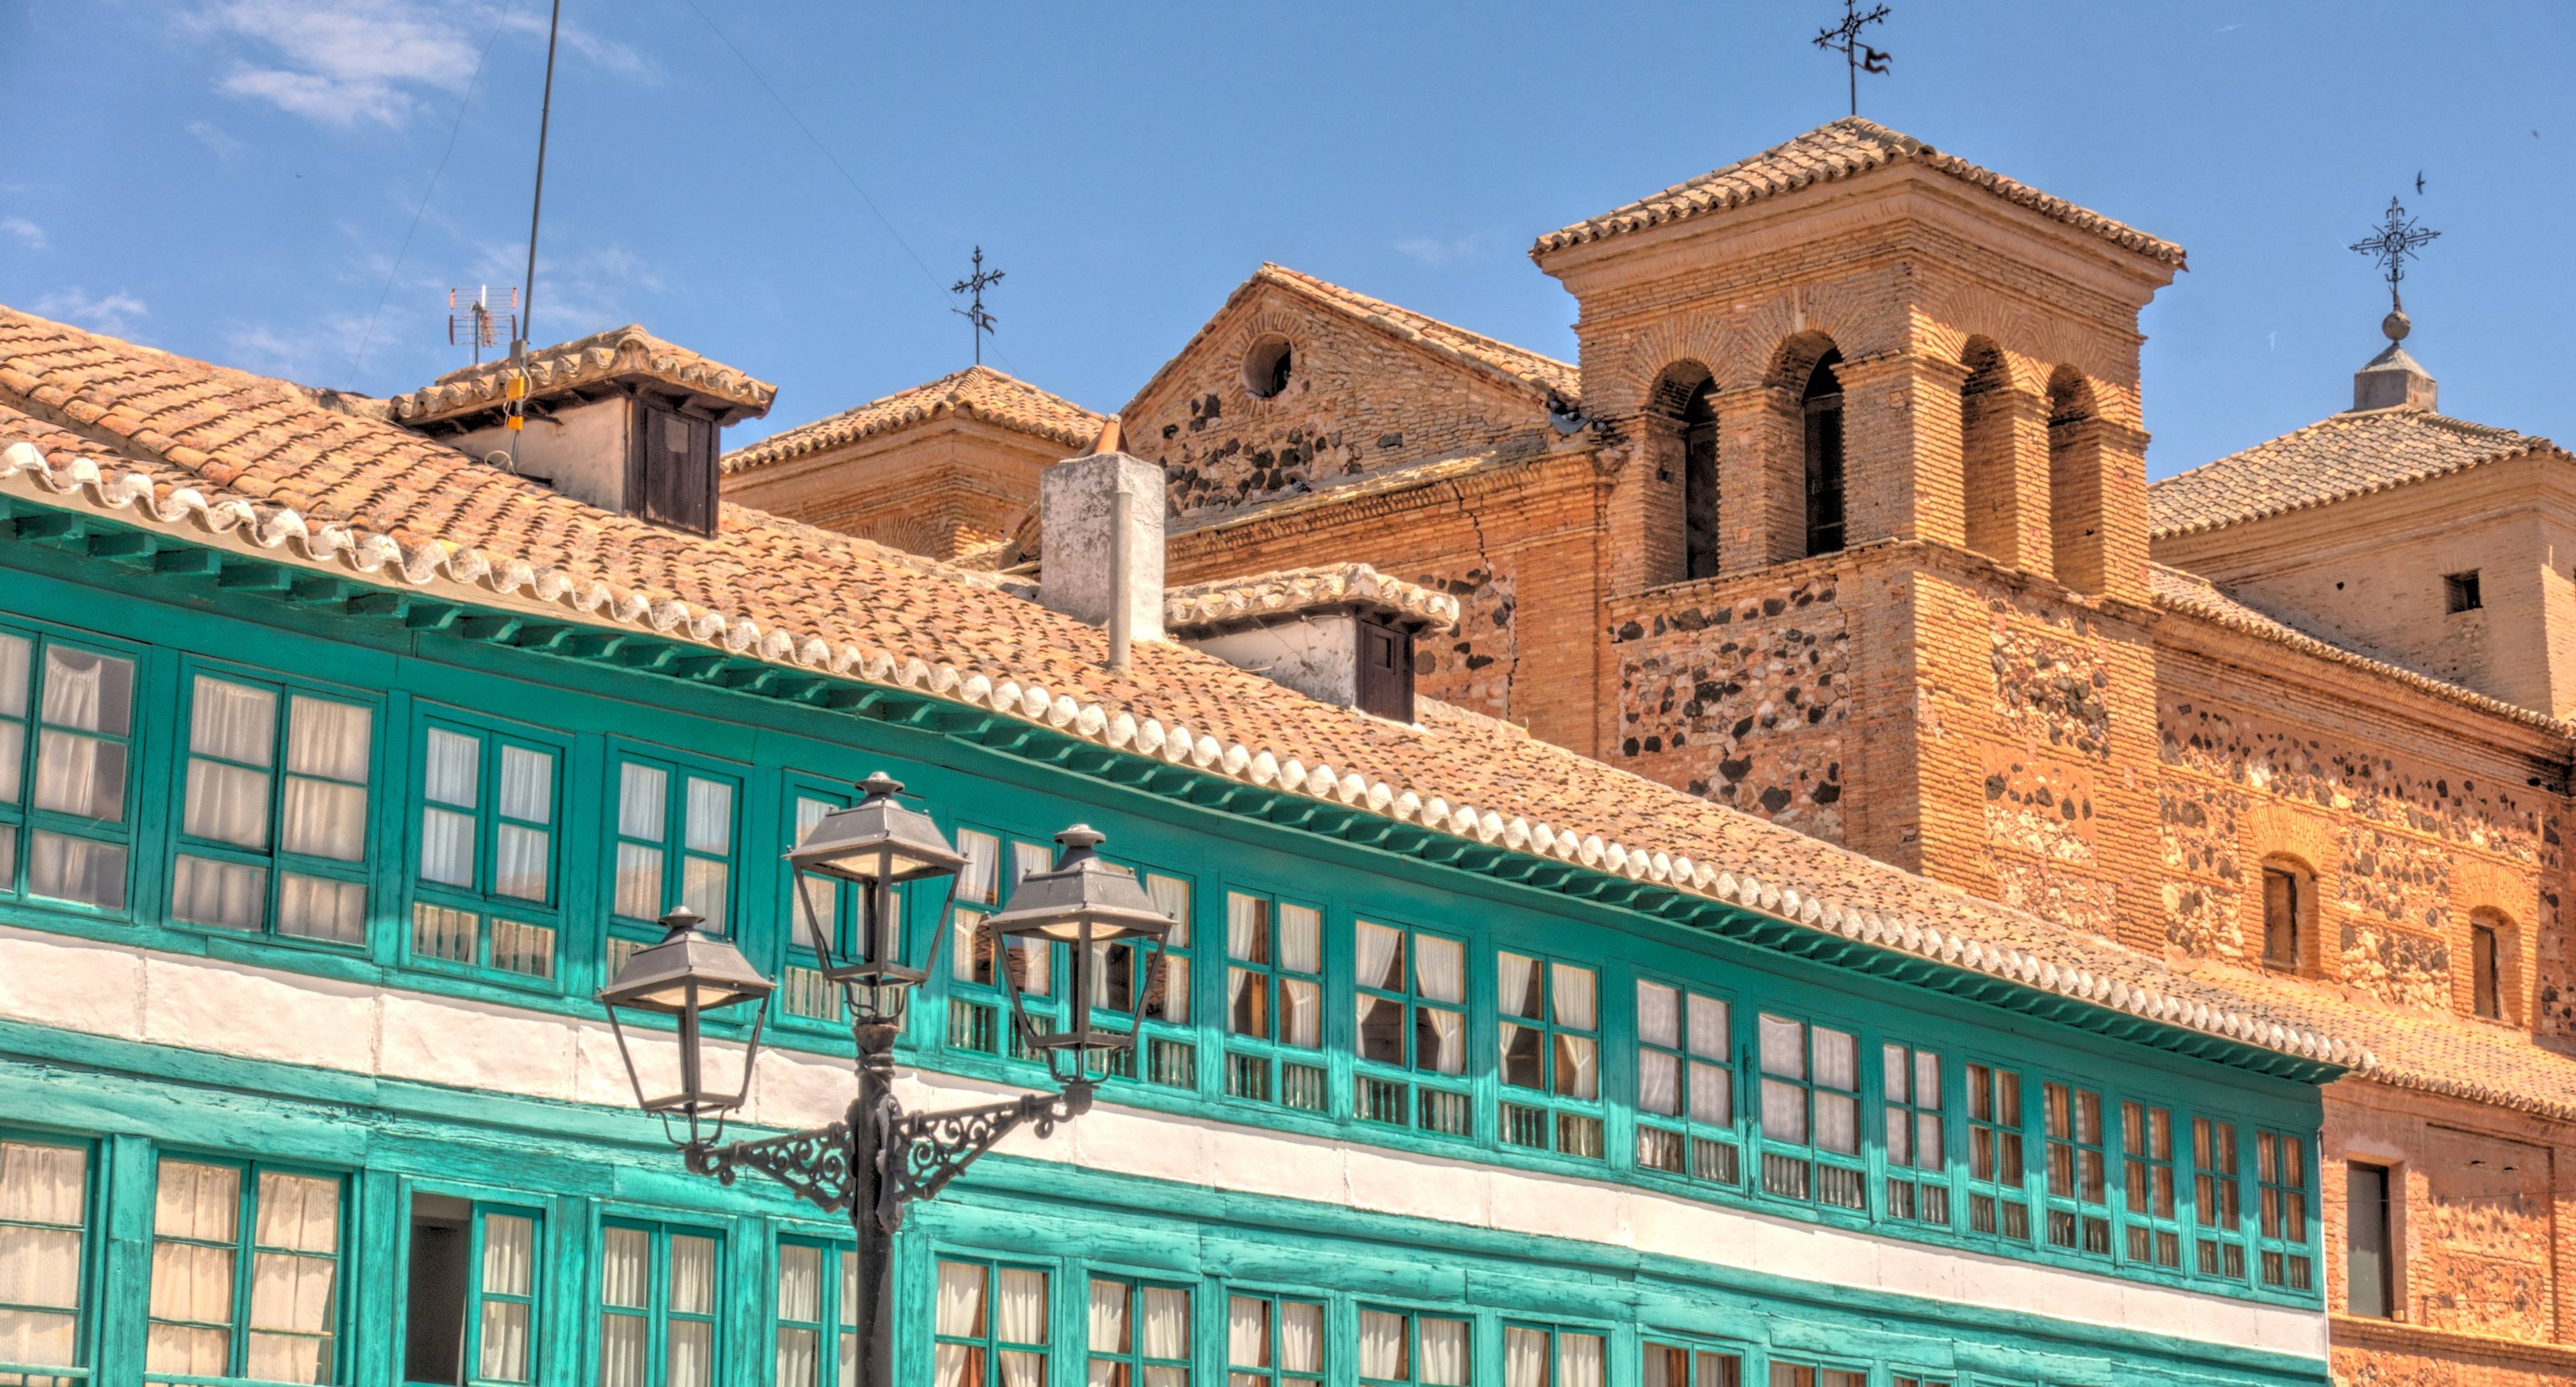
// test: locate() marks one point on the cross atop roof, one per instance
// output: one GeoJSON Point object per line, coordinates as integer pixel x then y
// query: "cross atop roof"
{"type": "Point", "coordinates": [1844, 38]}
{"type": "Point", "coordinates": [2397, 239]}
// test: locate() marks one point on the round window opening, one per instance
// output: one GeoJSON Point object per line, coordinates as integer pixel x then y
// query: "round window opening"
{"type": "Point", "coordinates": [1266, 367]}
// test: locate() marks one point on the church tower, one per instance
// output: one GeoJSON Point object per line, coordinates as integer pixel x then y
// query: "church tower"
{"type": "Point", "coordinates": [1879, 518]}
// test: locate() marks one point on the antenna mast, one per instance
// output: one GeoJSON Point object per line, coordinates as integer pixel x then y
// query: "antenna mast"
{"type": "Point", "coordinates": [518, 388]}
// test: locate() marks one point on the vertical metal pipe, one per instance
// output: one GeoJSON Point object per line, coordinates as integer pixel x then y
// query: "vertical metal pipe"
{"type": "Point", "coordinates": [1122, 511]}
{"type": "Point", "coordinates": [871, 1218]}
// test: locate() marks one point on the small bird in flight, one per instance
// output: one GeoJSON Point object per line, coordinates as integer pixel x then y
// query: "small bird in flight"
{"type": "Point", "coordinates": [2419, 182]}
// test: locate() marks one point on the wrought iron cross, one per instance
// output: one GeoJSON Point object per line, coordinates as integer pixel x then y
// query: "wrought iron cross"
{"type": "Point", "coordinates": [2397, 239]}
{"type": "Point", "coordinates": [1844, 38]}
{"type": "Point", "coordinates": [981, 321]}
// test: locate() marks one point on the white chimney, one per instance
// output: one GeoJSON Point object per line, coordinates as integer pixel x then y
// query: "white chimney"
{"type": "Point", "coordinates": [1090, 567]}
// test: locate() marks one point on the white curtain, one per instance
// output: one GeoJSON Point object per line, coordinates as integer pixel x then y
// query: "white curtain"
{"type": "Point", "coordinates": [190, 1282]}
{"type": "Point", "coordinates": [624, 1343]}
{"type": "Point", "coordinates": [1660, 1362]}
{"type": "Point", "coordinates": [1524, 1358]}
{"type": "Point", "coordinates": [236, 723]}
{"type": "Point", "coordinates": [1170, 1001]}
{"type": "Point", "coordinates": [1172, 897]}
{"type": "Point", "coordinates": [1514, 974]}
{"type": "Point", "coordinates": [983, 854]}
{"type": "Point", "coordinates": [960, 1314]}
{"type": "Point", "coordinates": [292, 1306]}
{"type": "Point", "coordinates": [1246, 928]}
{"type": "Point", "coordinates": [1021, 1318]}
{"type": "Point", "coordinates": [1381, 952]}
{"type": "Point", "coordinates": [1578, 1360]}
{"type": "Point", "coordinates": [1247, 1332]}
{"type": "Point", "coordinates": [1440, 971]}
{"type": "Point", "coordinates": [799, 1356]}
{"type": "Point", "coordinates": [1784, 1047]}
{"type": "Point", "coordinates": [527, 784]}
{"type": "Point", "coordinates": [1109, 1317]}
{"type": "Point", "coordinates": [76, 774]}
{"type": "Point", "coordinates": [73, 869]}
{"type": "Point", "coordinates": [691, 1354]}
{"type": "Point", "coordinates": [509, 1262]}
{"type": "Point", "coordinates": [1659, 1083]}
{"type": "Point", "coordinates": [325, 810]}
{"type": "Point", "coordinates": [1784, 1112]}
{"type": "Point", "coordinates": [710, 821]}
{"type": "Point", "coordinates": [1382, 1345]}
{"type": "Point", "coordinates": [705, 888]}
{"type": "Point", "coordinates": [14, 664]}
{"type": "Point", "coordinates": [1708, 1028]}
{"type": "Point", "coordinates": [1301, 1003]}
{"type": "Point", "coordinates": [40, 1266]}
{"type": "Point", "coordinates": [800, 1297]}
{"type": "Point", "coordinates": [626, 1269]}
{"type": "Point", "coordinates": [453, 769]}
{"type": "Point", "coordinates": [1837, 1060]}
{"type": "Point", "coordinates": [1167, 1323]}
{"type": "Point", "coordinates": [691, 1351]}
{"type": "Point", "coordinates": [1837, 1122]}
{"type": "Point", "coordinates": [643, 795]}
{"type": "Point", "coordinates": [1659, 1015]}
{"type": "Point", "coordinates": [13, 747]}
{"type": "Point", "coordinates": [1837, 1079]}
{"type": "Point", "coordinates": [1301, 1337]}
{"type": "Point", "coordinates": [815, 900]}
{"type": "Point", "coordinates": [316, 908]}
{"type": "Point", "coordinates": [1578, 1058]}
{"type": "Point", "coordinates": [1444, 1352]}
{"type": "Point", "coordinates": [232, 895]}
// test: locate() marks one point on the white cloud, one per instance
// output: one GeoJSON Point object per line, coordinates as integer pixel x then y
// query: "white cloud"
{"type": "Point", "coordinates": [214, 138]}
{"type": "Point", "coordinates": [1431, 250]}
{"type": "Point", "coordinates": [351, 63]}
{"type": "Point", "coordinates": [26, 231]}
{"type": "Point", "coordinates": [582, 292]}
{"type": "Point", "coordinates": [306, 353]}
{"type": "Point", "coordinates": [109, 313]}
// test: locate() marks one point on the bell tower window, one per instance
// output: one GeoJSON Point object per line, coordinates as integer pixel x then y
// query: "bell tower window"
{"type": "Point", "coordinates": [1823, 418]}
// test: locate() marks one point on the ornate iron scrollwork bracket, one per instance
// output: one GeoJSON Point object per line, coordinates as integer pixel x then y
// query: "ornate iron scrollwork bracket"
{"type": "Point", "coordinates": [815, 1163]}
{"type": "Point", "coordinates": [930, 1149]}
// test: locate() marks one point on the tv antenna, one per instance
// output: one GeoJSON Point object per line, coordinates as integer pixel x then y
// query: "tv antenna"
{"type": "Point", "coordinates": [479, 322]}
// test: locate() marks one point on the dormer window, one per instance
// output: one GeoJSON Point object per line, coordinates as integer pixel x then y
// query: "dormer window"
{"type": "Point", "coordinates": [673, 469]}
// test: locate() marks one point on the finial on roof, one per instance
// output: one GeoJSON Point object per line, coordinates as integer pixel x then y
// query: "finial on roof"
{"type": "Point", "coordinates": [2393, 378]}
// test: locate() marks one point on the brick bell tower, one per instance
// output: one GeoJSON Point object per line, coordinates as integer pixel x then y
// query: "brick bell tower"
{"type": "Point", "coordinates": [1879, 517]}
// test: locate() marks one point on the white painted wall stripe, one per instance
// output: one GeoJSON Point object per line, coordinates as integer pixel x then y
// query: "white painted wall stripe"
{"type": "Point", "coordinates": [235, 1009]}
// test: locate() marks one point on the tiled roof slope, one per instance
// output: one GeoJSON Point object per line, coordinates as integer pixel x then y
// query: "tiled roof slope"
{"type": "Point", "coordinates": [1283, 591]}
{"type": "Point", "coordinates": [1542, 376]}
{"type": "Point", "coordinates": [978, 391]}
{"type": "Point", "coordinates": [625, 351]}
{"type": "Point", "coordinates": [2193, 595]}
{"type": "Point", "coordinates": [1828, 154]}
{"type": "Point", "coordinates": [2340, 456]}
{"type": "Point", "coordinates": [253, 462]}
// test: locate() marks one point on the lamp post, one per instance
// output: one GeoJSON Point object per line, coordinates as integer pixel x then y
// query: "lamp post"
{"type": "Point", "coordinates": [878, 1157]}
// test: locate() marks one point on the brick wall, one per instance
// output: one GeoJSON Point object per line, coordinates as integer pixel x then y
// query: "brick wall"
{"type": "Point", "coordinates": [937, 488]}
{"type": "Point", "coordinates": [1357, 401]}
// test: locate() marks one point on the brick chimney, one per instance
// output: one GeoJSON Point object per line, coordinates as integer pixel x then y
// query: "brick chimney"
{"type": "Point", "coordinates": [620, 419]}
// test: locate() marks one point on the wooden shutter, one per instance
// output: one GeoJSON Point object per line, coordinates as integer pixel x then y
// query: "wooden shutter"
{"type": "Point", "coordinates": [676, 475]}
{"type": "Point", "coordinates": [1386, 670]}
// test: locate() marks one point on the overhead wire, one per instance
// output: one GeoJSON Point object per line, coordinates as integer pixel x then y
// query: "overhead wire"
{"type": "Point", "coordinates": [834, 160]}
{"type": "Point", "coordinates": [462, 106]}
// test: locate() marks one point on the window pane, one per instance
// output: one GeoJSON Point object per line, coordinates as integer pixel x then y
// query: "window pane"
{"type": "Point", "coordinates": [1440, 969]}
{"type": "Point", "coordinates": [1784, 1047]}
{"type": "Point", "coordinates": [319, 908]}
{"type": "Point", "coordinates": [90, 692]}
{"type": "Point", "coordinates": [527, 785]}
{"type": "Point", "coordinates": [710, 816]}
{"type": "Point", "coordinates": [447, 847]}
{"type": "Point", "coordinates": [639, 881]}
{"type": "Point", "coordinates": [78, 775]}
{"type": "Point", "coordinates": [454, 764]}
{"type": "Point", "coordinates": [328, 739]}
{"type": "Point", "coordinates": [13, 755]}
{"type": "Point", "coordinates": [324, 818]}
{"type": "Point", "coordinates": [229, 895]}
{"type": "Point", "coordinates": [693, 1275]}
{"type": "Point", "coordinates": [519, 866]}
{"type": "Point", "coordinates": [642, 795]}
{"type": "Point", "coordinates": [300, 1213]}
{"type": "Point", "coordinates": [72, 869]}
{"type": "Point", "coordinates": [626, 1269]}
{"type": "Point", "coordinates": [233, 721]}
{"type": "Point", "coordinates": [14, 666]}
{"type": "Point", "coordinates": [509, 1254]}
{"type": "Point", "coordinates": [227, 804]}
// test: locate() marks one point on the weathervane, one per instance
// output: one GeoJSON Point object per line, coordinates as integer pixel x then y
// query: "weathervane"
{"type": "Point", "coordinates": [2398, 238]}
{"type": "Point", "coordinates": [1844, 38]}
{"type": "Point", "coordinates": [974, 313]}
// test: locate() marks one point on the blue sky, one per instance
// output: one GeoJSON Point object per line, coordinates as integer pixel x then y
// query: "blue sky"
{"type": "Point", "coordinates": [244, 180]}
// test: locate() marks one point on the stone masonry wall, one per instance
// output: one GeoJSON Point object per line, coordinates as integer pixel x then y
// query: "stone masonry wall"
{"type": "Point", "coordinates": [1740, 693]}
{"type": "Point", "coordinates": [1357, 401]}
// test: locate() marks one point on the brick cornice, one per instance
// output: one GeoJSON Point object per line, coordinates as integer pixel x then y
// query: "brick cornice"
{"type": "Point", "coordinates": [1538, 474]}
{"type": "Point", "coordinates": [2391, 1336]}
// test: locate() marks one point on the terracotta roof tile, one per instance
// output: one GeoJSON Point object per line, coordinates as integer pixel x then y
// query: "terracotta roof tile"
{"type": "Point", "coordinates": [2343, 455]}
{"type": "Point", "coordinates": [808, 598]}
{"type": "Point", "coordinates": [1827, 154]}
{"type": "Point", "coordinates": [978, 391]}
{"type": "Point", "coordinates": [625, 351]}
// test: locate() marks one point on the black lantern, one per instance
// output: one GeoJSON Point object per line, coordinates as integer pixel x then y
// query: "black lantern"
{"type": "Point", "coordinates": [1092, 906]}
{"type": "Point", "coordinates": [878, 844]}
{"type": "Point", "coordinates": [688, 975]}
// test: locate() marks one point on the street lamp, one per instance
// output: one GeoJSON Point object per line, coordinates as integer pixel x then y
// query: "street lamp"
{"type": "Point", "coordinates": [879, 1158]}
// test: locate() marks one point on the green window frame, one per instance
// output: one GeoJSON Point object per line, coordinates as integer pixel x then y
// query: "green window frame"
{"type": "Point", "coordinates": [2218, 1199]}
{"type": "Point", "coordinates": [1998, 1171]}
{"type": "Point", "coordinates": [1686, 1117]}
{"type": "Point", "coordinates": [45, 1211]}
{"type": "Point", "coordinates": [277, 813]}
{"type": "Point", "coordinates": [1407, 1348]}
{"type": "Point", "coordinates": [1913, 1133]}
{"type": "Point", "coordinates": [1157, 1005]}
{"type": "Point", "coordinates": [660, 1286]}
{"type": "Point", "coordinates": [1274, 1340]}
{"type": "Point", "coordinates": [498, 1274]}
{"type": "Point", "coordinates": [1680, 1363]}
{"type": "Point", "coordinates": [487, 887]}
{"type": "Point", "coordinates": [986, 1313]}
{"type": "Point", "coordinates": [1912, 1379]}
{"type": "Point", "coordinates": [818, 1297]}
{"type": "Point", "coordinates": [674, 838]}
{"type": "Point", "coordinates": [2151, 1208]}
{"type": "Point", "coordinates": [67, 769]}
{"type": "Point", "coordinates": [1274, 1001]}
{"type": "Point", "coordinates": [979, 1011]}
{"type": "Point", "coordinates": [1811, 1126]}
{"type": "Point", "coordinates": [1139, 1333]}
{"type": "Point", "coordinates": [2078, 1197]}
{"type": "Point", "coordinates": [2285, 1234]}
{"type": "Point", "coordinates": [1409, 1043]}
{"type": "Point", "coordinates": [1547, 1355]}
{"type": "Point", "coordinates": [802, 993]}
{"type": "Point", "coordinates": [219, 1228]}
{"type": "Point", "coordinates": [1815, 1375]}
{"type": "Point", "coordinates": [1548, 1054]}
